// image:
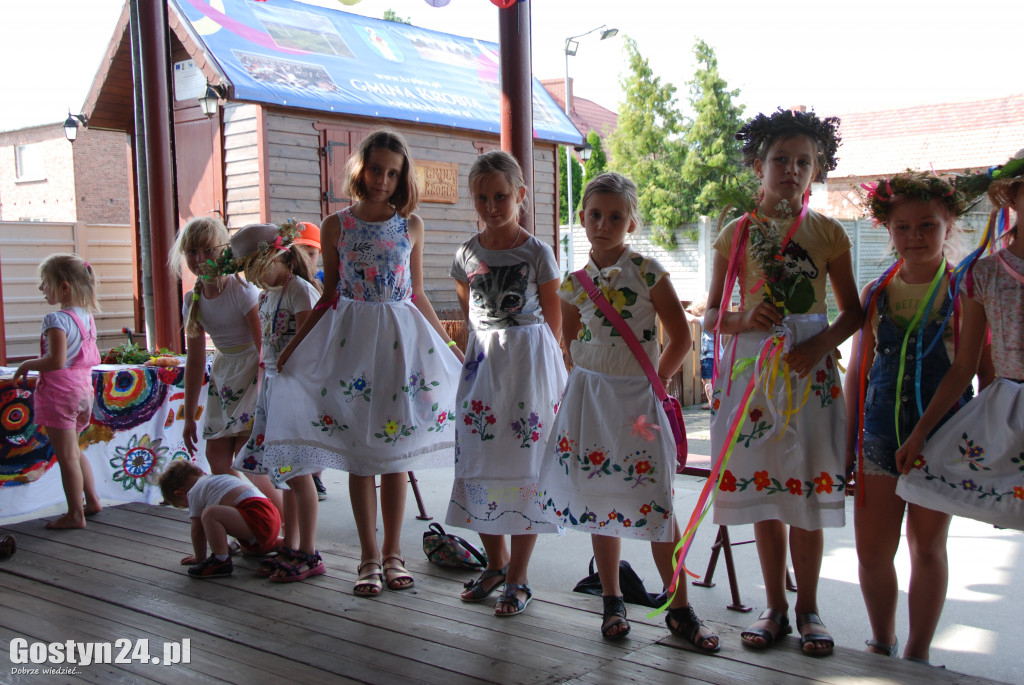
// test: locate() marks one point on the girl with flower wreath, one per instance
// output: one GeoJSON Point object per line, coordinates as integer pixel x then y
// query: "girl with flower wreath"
{"type": "Point", "coordinates": [507, 283]}
{"type": "Point", "coordinates": [611, 457]}
{"type": "Point", "coordinates": [974, 464]}
{"type": "Point", "coordinates": [367, 385]}
{"type": "Point", "coordinates": [901, 354]}
{"type": "Point", "coordinates": [273, 261]}
{"type": "Point", "coordinates": [224, 307]}
{"type": "Point", "coordinates": [777, 420]}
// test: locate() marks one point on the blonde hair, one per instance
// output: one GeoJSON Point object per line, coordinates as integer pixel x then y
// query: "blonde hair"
{"type": "Point", "coordinates": [200, 232]}
{"type": "Point", "coordinates": [294, 257]}
{"type": "Point", "coordinates": [1003, 194]}
{"type": "Point", "coordinates": [886, 195]}
{"type": "Point", "coordinates": [176, 475]}
{"type": "Point", "coordinates": [77, 273]}
{"type": "Point", "coordinates": [499, 162]}
{"type": "Point", "coordinates": [616, 184]}
{"type": "Point", "coordinates": [407, 194]}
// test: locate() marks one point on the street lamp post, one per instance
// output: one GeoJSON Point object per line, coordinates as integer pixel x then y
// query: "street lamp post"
{"type": "Point", "coordinates": [571, 45]}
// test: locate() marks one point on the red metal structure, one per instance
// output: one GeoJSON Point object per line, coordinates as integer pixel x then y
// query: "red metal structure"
{"type": "Point", "coordinates": [517, 92]}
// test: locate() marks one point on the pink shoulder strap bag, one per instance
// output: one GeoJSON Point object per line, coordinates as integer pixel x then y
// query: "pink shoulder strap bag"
{"type": "Point", "coordinates": [670, 404]}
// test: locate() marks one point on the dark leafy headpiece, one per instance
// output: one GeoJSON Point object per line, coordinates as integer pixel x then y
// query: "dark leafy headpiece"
{"type": "Point", "coordinates": [761, 132]}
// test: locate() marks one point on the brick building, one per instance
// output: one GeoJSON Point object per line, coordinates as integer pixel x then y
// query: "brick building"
{"type": "Point", "coordinates": [43, 177]}
{"type": "Point", "coordinates": [586, 114]}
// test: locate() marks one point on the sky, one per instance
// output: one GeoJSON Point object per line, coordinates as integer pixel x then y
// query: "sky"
{"type": "Point", "coordinates": [833, 56]}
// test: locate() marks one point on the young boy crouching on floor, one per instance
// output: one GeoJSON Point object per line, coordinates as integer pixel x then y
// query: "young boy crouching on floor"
{"type": "Point", "coordinates": [220, 505]}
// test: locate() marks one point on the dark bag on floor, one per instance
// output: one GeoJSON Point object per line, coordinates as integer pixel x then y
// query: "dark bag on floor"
{"type": "Point", "coordinates": [451, 551]}
{"type": "Point", "coordinates": [633, 590]}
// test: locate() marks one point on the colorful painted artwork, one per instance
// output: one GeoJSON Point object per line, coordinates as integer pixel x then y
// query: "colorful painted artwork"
{"type": "Point", "coordinates": [25, 452]}
{"type": "Point", "coordinates": [134, 433]}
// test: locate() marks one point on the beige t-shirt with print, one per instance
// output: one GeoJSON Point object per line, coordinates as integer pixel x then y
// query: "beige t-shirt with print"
{"type": "Point", "coordinates": [818, 242]}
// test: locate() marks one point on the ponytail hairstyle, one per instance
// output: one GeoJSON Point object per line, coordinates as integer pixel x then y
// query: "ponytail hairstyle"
{"type": "Point", "coordinates": [199, 233]}
{"type": "Point", "coordinates": [294, 257]}
{"type": "Point", "coordinates": [298, 260]}
{"type": "Point", "coordinates": [1007, 180]}
{"type": "Point", "coordinates": [254, 248]}
{"type": "Point", "coordinates": [77, 273]}
{"type": "Point", "coordinates": [407, 194]}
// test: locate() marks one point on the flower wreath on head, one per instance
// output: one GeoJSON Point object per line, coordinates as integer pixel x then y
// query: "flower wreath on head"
{"type": "Point", "coordinates": [998, 181]}
{"type": "Point", "coordinates": [915, 185]}
{"type": "Point", "coordinates": [764, 129]}
{"type": "Point", "coordinates": [257, 260]}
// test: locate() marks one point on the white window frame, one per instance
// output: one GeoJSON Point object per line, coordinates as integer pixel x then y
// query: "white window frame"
{"type": "Point", "coordinates": [29, 163]}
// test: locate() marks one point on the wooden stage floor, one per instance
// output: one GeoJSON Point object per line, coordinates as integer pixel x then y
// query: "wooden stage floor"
{"type": "Point", "coordinates": [120, 579]}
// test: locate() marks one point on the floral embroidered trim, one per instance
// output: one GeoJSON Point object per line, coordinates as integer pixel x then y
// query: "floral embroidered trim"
{"type": "Point", "coordinates": [824, 483]}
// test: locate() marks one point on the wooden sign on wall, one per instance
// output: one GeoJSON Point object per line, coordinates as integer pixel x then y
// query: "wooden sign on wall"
{"type": "Point", "coordinates": [438, 181]}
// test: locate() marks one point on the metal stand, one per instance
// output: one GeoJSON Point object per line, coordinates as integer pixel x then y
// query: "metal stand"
{"type": "Point", "coordinates": [419, 500]}
{"type": "Point", "coordinates": [722, 544]}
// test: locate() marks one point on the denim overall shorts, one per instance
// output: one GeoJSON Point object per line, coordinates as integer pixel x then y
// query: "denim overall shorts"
{"type": "Point", "coordinates": [880, 440]}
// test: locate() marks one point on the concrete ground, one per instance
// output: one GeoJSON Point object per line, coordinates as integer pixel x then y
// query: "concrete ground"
{"type": "Point", "coordinates": [975, 635]}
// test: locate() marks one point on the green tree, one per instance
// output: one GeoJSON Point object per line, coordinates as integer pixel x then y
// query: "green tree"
{"type": "Point", "coordinates": [598, 162]}
{"type": "Point", "coordinates": [391, 15]}
{"type": "Point", "coordinates": [577, 186]}
{"type": "Point", "coordinates": [713, 162]}
{"type": "Point", "coordinates": [647, 147]}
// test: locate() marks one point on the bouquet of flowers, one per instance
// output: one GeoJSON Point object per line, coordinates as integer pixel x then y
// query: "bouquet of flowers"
{"type": "Point", "coordinates": [785, 287]}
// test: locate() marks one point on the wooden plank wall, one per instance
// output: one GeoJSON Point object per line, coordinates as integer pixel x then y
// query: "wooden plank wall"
{"type": "Point", "coordinates": [108, 248]}
{"type": "Point", "coordinates": [241, 165]}
{"type": "Point", "coordinates": [293, 160]}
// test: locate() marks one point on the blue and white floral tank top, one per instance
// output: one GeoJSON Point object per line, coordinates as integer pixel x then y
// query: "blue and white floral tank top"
{"type": "Point", "coordinates": [373, 259]}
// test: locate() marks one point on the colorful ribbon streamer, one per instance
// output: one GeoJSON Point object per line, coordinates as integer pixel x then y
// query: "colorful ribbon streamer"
{"type": "Point", "coordinates": [771, 348]}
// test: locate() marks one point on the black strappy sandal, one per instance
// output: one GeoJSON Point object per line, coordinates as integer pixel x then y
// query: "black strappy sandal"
{"type": "Point", "coordinates": [778, 618]}
{"type": "Point", "coordinates": [477, 591]}
{"type": "Point", "coordinates": [687, 626]}
{"type": "Point", "coordinates": [614, 608]}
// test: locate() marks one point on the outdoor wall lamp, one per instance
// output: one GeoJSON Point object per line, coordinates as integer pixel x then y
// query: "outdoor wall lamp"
{"type": "Point", "coordinates": [71, 125]}
{"type": "Point", "coordinates": [210, 100]}
{"type": "Point", "coordinates": [585, 152]}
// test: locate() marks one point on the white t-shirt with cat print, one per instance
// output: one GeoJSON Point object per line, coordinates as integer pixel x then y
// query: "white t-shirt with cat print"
{"type": "Point", "coordinates": [503, 283]}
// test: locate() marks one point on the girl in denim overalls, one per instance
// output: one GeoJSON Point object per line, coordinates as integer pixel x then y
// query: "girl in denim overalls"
{"type": "Point", "coordinates": [63, 396]}
{"type": "Point", "coordinates": [905, 346]}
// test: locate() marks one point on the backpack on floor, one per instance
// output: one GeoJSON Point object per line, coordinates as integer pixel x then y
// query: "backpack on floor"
{"type": "Point", "coordinates": [633, 590]}
{"type": "Point", "coordinates": [451, 551]}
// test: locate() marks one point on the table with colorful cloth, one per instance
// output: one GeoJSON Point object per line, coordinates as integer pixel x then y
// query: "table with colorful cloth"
{"type": "Point", "coordinates": [134, 433]}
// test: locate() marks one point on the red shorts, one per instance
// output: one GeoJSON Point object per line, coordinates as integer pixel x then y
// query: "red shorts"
{"type": "Point", "coordinates": [264, 521]}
